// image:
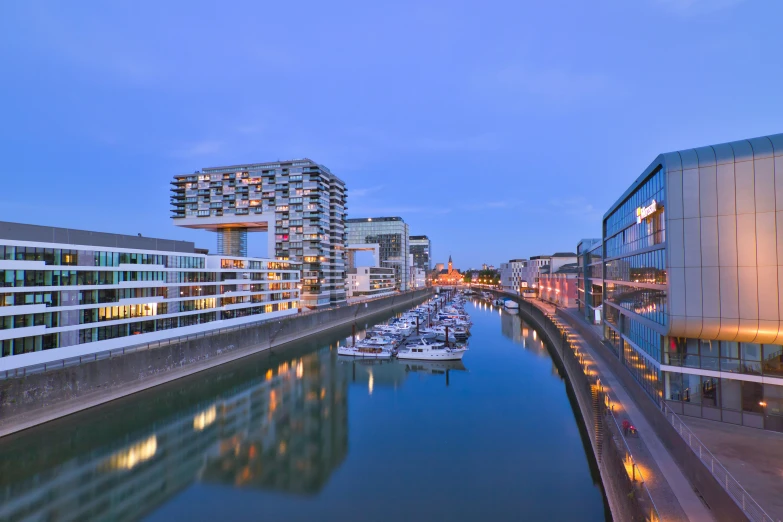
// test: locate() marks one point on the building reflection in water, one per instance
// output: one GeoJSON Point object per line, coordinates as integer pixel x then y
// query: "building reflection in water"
{"type": "Point", "coordinates": [285, 429]}
{"type": "Point", "coordinates": [392, 373]}
{"type": "Point", "coordinates": [514, 328]}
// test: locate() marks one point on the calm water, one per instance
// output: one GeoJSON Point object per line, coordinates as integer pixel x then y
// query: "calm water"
{"type": "Point", "coordinates": [301, 434]}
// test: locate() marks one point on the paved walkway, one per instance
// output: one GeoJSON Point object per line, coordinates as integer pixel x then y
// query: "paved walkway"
{"type": "Point", "coordinates": [753, 456]}
{"type": "Point", "coordinates": [671, 492]}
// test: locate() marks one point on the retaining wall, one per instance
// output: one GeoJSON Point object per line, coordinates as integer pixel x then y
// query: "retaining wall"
{"type": "Point", "coordinates": [715, 496]}
{"type": "Point", "coordinates": [35, 398]}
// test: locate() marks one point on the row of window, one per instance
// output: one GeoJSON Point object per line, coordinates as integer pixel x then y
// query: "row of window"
{"type": "Point", "coordinates": [726, 394]}
{"type": "Point", "coordinates": [649, 267]}
{"type": "Point", "coordinates": [625, 214]}
{"type": "Point", "coordinates": [646, 373]}
{"type": "Point", "coordinates": [644, 337]}
{"type": "Point", "coordinates": [649, 232]}
{"type": "Point", "coordinates": [650, 304]}
{"type": "Point", "coordinates": [45, 342]}
{"type": "Point", "coordinates": [725, 356]}
{"type": "Point", "coordinates": [73, 257]}
{"type": "Point", "coordinates": [24, 278]}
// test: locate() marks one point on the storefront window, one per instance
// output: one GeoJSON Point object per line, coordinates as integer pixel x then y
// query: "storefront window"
{"type": "Point", "coordinates": [710, 392]}
{"type": "Point", "coordinates": [691, 388]}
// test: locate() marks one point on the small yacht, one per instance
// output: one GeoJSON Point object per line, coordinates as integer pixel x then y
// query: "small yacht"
{"type": "Point", "coordinates": [364, 351]}
{"type": "Point", "coordinates": [511, 304]}
{"type": "Point", "coordinates": [424, 351]}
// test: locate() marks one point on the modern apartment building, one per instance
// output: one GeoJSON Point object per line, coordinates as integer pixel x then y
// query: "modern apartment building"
{"type": "Point", "coordinates": [693, 281]}
{"type": "Point", "coordinates": [65, 293]}
{"type": "Point", "coordinates": [370, 281]}
{"type": "Point", "coordinates": [511, 275]}
{"type": "Point", "coordinates": [590, 279]}
{"type": "Point", "coordinates": [391, 235]}
{"type": "Point", "coordinates": [299, 203]}
{"type": "Point", "coordinates": [421, 250]}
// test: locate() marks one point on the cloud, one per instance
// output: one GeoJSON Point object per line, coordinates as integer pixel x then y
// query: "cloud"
{"type": "Point", "coordinates": [478, 143]}
{"type": "Point", "coordinates": [490, 205]}
{"type": "Point", "coordinates": [577, 206]}
{"type": "Point", "coordinates": [395, 211]}
{"type": "Point", "coordinates": [691, 7]}
{"type": "Point", "coordinates": [361, 192]}
{"type": "Point", "coordinates": [553, 83]}
{"type": "Point", "coordinates": [200, 148]}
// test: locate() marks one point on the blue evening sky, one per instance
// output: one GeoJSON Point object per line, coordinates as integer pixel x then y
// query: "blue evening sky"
{"type": "Point", "coordinates": [499, 129]}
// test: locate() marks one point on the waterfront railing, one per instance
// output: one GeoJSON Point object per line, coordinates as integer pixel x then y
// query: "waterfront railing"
{"type": "Point", "coordinates": [749, 506]}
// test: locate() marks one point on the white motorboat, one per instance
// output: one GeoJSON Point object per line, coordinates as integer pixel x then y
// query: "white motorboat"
{"type": "Point", "coordinates": [511, 304]}
{"type": "Point", "coordinates": [364, 351]}
{"type": "Point", "coordinates": [425, 351]}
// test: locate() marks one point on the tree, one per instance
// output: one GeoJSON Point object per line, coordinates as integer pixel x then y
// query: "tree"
{"type": "Point", "coordinates": [467, 279]}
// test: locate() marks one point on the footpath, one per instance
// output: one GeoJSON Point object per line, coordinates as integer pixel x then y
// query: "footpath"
{"type": "Point", "coordinates": [671, 492]}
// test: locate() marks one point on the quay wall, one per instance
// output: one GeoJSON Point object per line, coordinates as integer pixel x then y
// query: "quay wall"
{"type": "Point", "coordinates": [715, 496]}
{"type": "Point", "coordinates": [36, 397]}
{"type": "Point", "coordinates": [610, 457]}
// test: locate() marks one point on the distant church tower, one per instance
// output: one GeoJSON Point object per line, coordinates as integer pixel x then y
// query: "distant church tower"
{"type": "Point", "coordinates": [451, 269]}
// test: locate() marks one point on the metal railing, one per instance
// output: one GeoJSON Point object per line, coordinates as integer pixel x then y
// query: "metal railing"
{"type": "Point", "coordinates": [749, 506]}
{"type": "Point", "coordinates": [584, 361]}
{"type": "Point", "coordinates": [67, 362]}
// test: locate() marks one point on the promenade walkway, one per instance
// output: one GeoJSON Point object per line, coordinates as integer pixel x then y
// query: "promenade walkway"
{"type": "Point", "coordinates": [672, 493]}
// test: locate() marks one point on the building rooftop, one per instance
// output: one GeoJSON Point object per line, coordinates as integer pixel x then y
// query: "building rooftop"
{"type": "Point", "coordinates": [419, 238]}
{"type": "Point", "coordinates": [366, 220]}
{"type": "Point", "coordinates": [70, 236]}
{"type": "Point", "coordinates": [564, 254]}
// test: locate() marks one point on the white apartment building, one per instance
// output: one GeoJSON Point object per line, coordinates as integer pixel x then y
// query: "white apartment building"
{"type": "Point", "coordinates": [370, 281]}
{"type": "Point", "coordinates": [67, 293]}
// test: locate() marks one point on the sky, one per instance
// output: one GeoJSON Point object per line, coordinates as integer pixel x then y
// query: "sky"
{"type": "Point", "coordinates": [500, 129]}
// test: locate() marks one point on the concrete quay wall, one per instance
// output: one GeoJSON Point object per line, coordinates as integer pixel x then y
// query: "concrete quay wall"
{"type": "Point", "coordinates": [36, 398]}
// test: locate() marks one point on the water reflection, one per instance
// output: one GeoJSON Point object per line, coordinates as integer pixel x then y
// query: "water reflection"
{"type": "Point", "coordinates": [393, 373]}
{"type": "Point", "coordinates": [285, 430]}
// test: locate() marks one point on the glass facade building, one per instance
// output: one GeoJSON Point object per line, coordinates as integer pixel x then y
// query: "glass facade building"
{"type": "Point", "coordinates": [421, 250]}
{"type": "Point", "coordinates": [693, 281]}
{"type": "Point", "coordinates": [299, 203]}
{"type": "Point", "coordinates": [70, 292]}
{"type": "Point", "coordinates": [590, 279]}
{"type": "Point", "coordinates": [391, 235]}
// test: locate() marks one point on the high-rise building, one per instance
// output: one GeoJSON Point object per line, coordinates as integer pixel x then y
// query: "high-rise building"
{"type": "Point", "coordinates": [299, 203]}
{"type": "Point", "coordinates": [391, 234]}
{"type": "Point", "coordinates": [693, 285]}
{"type": "Point", "coordinates": [421, 250]}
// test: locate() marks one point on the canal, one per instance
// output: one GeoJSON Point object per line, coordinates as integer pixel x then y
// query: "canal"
{"type": "Point", "coordinates": [300, 434]}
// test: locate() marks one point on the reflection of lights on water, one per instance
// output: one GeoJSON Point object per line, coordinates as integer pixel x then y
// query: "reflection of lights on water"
{"type": "Point", "coordinates": [370, 383]}
{"type": "Point", "coordinates": [269, 374]}
{"type": "Point", "coordinates": [282, 447]}
{"type": "Point", "coordinates": [535, 335]}
{"type": "Point", "coordinates": [204, 419]}
{"type": "Point", "coordinates": [272, 400]}
{"type": "Point", "coordinates": [299, 369]}
{"type": "Point", "coordinates": [129, 457]}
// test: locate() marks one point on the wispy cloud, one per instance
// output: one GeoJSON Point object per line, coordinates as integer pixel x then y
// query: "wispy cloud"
{"type": "Point", "coordinates": [478, 143]}
{"type": "Point", "coordinates": [397, 211]}
{"type": "Point", "coordinates": [692, 7]}
{"type": "Point", "coordinates": [576, 206]}
{"type": "Point", "coordinates": [489, 205]}
{"type": "Point", "coordinates": [362, 192]}
{"type": "Point", "coordinates": [553, 83]}
{"type": "Point", "coordinates": [200, 148]}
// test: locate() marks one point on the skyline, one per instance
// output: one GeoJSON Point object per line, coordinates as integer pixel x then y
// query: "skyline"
{"type": "Point", "coordinates": [415, 107]}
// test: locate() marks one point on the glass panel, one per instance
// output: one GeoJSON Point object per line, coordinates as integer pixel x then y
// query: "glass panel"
{"type": "Point", "coordinates": [773, 359]}
{"type": "Point", "coordinates": [773, 397]}
{"type": "Point", "coordinates": [752, 397]}
{"type": "Point", "coordinates": [730, 394]}
{"type": "Point", "coordinates": [751, 358]}
{"type": "Point", "coordinates": [692, 388]}
{"type": "Point", "coordinates": [710, 392]}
